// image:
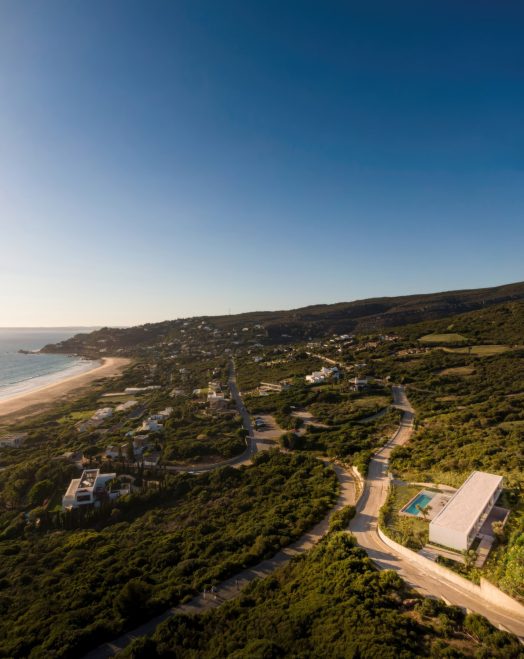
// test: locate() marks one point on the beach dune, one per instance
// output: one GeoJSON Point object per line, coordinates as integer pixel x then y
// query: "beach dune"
{"type": "Point", "coordinates": [32, 401]}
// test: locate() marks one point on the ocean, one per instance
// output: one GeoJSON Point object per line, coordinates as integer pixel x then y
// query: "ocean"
{"type": "Point", "coordinates": [21, 373]}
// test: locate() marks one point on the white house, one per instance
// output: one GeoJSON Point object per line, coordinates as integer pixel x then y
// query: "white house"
{"type": "Point", "coordinates": [101, 415]}
{"type": "Point", "coordinates": [217, 400]}
{"type": "Point", "coordinates": [162, 415]}
{"type": "Point", "coordinates": [317, 377]}
{"type": "Point", "coordinates": [150, 425]}
{"type": "Point", "coordinates": [123, 407]}
{"type": "Point", "coordinates": [88, 490]}
{"type": "Point", "coordinates": [139, 390]}
{"type": "Point", "coordinates": [359, 383]}
{"type": "Point", "coordinates": [457, 524]}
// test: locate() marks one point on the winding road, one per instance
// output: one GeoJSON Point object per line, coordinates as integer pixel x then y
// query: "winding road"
{"type": "Point", "coordinates": [364, 527]}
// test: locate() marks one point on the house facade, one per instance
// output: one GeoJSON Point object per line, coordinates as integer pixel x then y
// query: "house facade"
{"type": "Point", "coordinates": [456, 526]}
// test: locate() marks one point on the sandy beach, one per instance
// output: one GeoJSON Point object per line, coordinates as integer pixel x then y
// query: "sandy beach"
{"type": "Point", "coordinates": [32, 402]}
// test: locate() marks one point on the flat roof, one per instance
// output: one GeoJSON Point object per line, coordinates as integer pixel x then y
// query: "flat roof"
{"type": "Point", "coordinates": [467, 504]}
{"type": "Point", "coordinates": [73, 486]}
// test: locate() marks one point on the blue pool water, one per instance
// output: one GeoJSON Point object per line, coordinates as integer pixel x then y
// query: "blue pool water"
{"type": "Point", "coordinates": [421, 500]}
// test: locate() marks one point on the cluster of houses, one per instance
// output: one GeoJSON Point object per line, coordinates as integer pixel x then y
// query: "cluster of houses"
{"type": "Point", "coordinates": [96, 420]}
{"type": "Point", "coordinates": [216, 398]}
{"type": "Point", "coordinates": [141, 442]}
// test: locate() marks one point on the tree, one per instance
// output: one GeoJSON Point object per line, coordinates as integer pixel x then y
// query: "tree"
{"type": "Point", "coordinates": [470, 556]}
{"type": "Point", "coordinates": [133, 601]}
{"type": "Point", "coordinates": [130, 452]}
{"type": "Point", "coordinates": [499, 532]}
{"type": "Point", "coordinates": [424, 511]}
{"type": "Point", "coordinates": [40, 491]}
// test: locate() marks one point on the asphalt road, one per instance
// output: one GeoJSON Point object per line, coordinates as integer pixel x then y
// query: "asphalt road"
{"type": "Point", "coordinates": [364, 528]}
{"type": "Point", "coordinates": [246, 456]}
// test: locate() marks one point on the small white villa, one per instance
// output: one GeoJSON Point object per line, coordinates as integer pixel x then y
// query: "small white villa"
{"type": "Point", "coordinates": [325, 373]}
{"type": "Point", "coordinates": [358, 383]}
{"type": "Point", "coordinates": [89, 490]}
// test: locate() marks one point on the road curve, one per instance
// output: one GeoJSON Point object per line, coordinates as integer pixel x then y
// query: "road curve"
{"type": "Point", "coordinates": [365, 524]}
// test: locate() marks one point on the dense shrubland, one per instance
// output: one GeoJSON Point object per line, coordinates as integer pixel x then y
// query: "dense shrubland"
{"type": "Point", "coordinates": [64, 591]}
{"type": "Point", "coordinates": [328, 603]}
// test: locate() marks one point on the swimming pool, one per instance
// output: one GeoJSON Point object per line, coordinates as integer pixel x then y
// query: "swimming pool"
{"type": "Point", "coordinates": [421, 500]}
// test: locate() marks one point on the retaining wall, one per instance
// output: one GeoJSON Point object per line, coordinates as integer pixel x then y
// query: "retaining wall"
{"type": "Point", "coordinates": [486, 591]}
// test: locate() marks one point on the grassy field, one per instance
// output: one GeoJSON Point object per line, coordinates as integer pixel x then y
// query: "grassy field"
{"type": "Point", "coordinates": [368, 402]}
{"type": "Point", "coordinates": [487, 350]}
{"type": "Point", "coordinates": [409, 531]}
{"type": "Point", "coordinates": [459, 370]}
{"type": "Point", "coordinates": [443, 338]}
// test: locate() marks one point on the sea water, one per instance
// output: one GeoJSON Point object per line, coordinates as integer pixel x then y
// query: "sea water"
{"type": "Point", "coordinates": [21, 373]}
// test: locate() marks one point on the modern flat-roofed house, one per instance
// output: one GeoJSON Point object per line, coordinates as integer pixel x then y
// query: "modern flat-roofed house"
{"type": "Point", "coordinates": [358, 383]}
{"type": "Point", "coordinates": [458, 523]}
{"type": "Point", "coordinates": [89, 489]}
{"type": "Point", "coordinates": [318, 377]}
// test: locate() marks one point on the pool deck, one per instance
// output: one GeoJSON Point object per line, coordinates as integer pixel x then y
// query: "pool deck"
{"type": "Point", "coordinates": [438, 501]}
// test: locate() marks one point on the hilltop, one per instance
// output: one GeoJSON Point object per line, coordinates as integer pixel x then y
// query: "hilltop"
{"type": "Point", "coordinates": [360, 316]}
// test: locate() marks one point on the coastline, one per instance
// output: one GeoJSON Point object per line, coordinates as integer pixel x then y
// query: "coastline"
{"type": "Point", "coordinates": [31, 402]}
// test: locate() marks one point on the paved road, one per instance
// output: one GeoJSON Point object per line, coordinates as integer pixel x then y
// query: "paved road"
{"type": "Point", "coordinates": [251, 448]}
{"type": "Point", "coordinates": [364, 528]}
{"type": "Point", "coordinates": [230, 588]}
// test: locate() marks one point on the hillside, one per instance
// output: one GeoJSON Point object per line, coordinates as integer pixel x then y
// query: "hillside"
{"type": "Point", "coordinates": [360, 316]}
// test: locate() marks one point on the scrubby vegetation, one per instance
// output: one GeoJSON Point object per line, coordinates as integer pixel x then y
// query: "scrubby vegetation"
{"type": "Point", "coordinates": [192, 436]}
{"type": "Point", "coordinates": [65, 587]}
{"type": "Point", "coordinates": [328, 603]}
{"type": "Point", "coordinates": [67, 590]}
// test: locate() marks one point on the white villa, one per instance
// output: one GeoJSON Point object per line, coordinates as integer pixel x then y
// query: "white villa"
{"type": "Point", "coordinates": [458, 523]}
{"type": "Point", "coordinates": [102, 414]}
{"type": "Point", "coordinates": [358, 383]}
{"type": "Point", "coordinates": [150, 425]}
{"type": "Point", "coordinates": [162, 415]}
{"type": "Point", "coordinates": [317, 377]}
{"type": "Point", "coordinates": [139, 390]}
{"type": "Point", "coordinates": [90, 489]}
{"type": "Point", "coordinates": [123, 407]}
{"type": "Point", "coordinates": [217, 401]}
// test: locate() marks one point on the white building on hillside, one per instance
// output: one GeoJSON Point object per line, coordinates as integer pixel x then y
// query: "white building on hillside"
{"type": "Point", "coordinates": [101, 415]}
{"type": "Point", "coordinates": [358, 383]}
{"type": "Point", "coordinates": [457, 524]}
{"type": "Point", "coordinates": [90, 489]}
{"type": "Point", "coordinates": [317, 377]}
{"type": "Point", "coordinates": [150, 425]}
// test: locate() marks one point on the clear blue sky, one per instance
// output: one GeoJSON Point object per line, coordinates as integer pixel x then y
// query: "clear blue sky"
{"type": "Point", "coordinates": [170, 158]}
